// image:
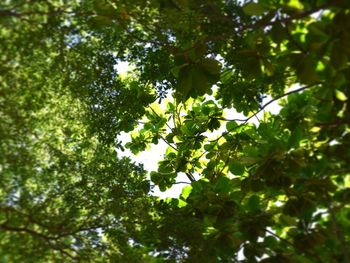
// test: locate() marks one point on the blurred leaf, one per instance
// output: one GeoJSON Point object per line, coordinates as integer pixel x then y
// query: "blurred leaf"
{"type": "Point", "coordinates": [254, 9]}
{"type": "Point", "coordinates": [236, 168]}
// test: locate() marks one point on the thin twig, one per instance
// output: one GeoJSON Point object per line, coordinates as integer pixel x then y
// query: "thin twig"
{"type": "Point", "coordinates": [269, 102]}
{"type": "Point", "coordinates": [279, 237]}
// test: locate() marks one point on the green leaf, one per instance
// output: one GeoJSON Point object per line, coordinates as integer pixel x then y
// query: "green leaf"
{"type": "Point", "coordinates": [251, 67]}
{"type": "Point", "coordinates": [209, 147]}
{"type": "Point", "coordinates": [270, 242]}
{"type": "Point", "coordinates": [198, 52]}
{"type": "Point", "coordinates": [100, 22]}
{"type": "Point", "coordinates": [295, 4]}
{"type": "Point", "coordinates": [176, 70]}
{"type": "Point", "coordinates": [231, 125]}
{"type": "Point", "coordinates": [105, 9]}
{"type": "Point", "coordinates": [340, 95]}
{"type": "Point", "coordinates": [213, 124]}
{"type": "Point", "coordinates": [305, 68]}
{"type": "Point", "coordinates": [185, 82]}
{"type": "Point", "coordinates": [253, 202]}
{"type": "Point", "coordinates": [257, 185]}
{"type": "Point", "coordinates": [295, 137]}
{"type": "Point", "coordinates": [156, 177]}
{"type": "Point", "coordinates": [181, 164]}
{"type": "Point", "coordinates": [193, 82]}
{"type": "Point", "coordinates": [170, 137]}
{"type": "Point", "coordinates": [223, 185]}
{"type": "Point", "coordinates": [186, 191]}
{"type": "Point", "coordinates": [236, 168]}
{"type": "Point", "coordinates": [211, 66]}
{"type": "Point", "coordinates": [200, 84]}
{"type": "Point", "coordinates": [339, 58]}
{"type": "Point", "coordinates": [287, 220]}
{"type": "Point", "coordinates": [278, 33]}
{"type": "Point", "coordinates": [254, 9]}
{"type": "Point", "coordinates": [268, 68]}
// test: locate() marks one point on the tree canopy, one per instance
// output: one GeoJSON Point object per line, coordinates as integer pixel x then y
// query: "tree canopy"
{"type": "Point", "coordinates": [261, 187]}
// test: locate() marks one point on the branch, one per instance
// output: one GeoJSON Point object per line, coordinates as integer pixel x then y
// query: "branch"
{"type": "Point", "coordinates": [280, 97]}
{"type": "Point", "coordinates": [161, 136]}
{"type": "Point", "coordinates": [27, 230]}
{"type": "Point", "coordinates": [244, 121]}
{"type": "Point", "coordinates": [190, 177]}
{"type": "Point", "coordinates": [280, 238]}
{"type": "Point", "coordinates": [269, 102]}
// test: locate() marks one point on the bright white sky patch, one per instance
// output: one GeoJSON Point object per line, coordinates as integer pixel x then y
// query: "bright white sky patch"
{"type": "Point", "coordinates": [122, 67]}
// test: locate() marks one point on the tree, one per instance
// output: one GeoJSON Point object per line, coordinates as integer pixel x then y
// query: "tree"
{"type": "Point", "coordinates": [277, 189]}
{"type": "Point", "coordinates": [65, 196]}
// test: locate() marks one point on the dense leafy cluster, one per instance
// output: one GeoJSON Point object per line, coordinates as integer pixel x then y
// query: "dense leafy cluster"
{"type": "Point", "coordinates": [261, 187]}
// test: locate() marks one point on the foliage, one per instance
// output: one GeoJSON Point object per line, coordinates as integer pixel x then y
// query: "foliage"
{"type": "Point", "coordinates": [64, 195]}
{"type": "Point", "coordinates": [275, 187]}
